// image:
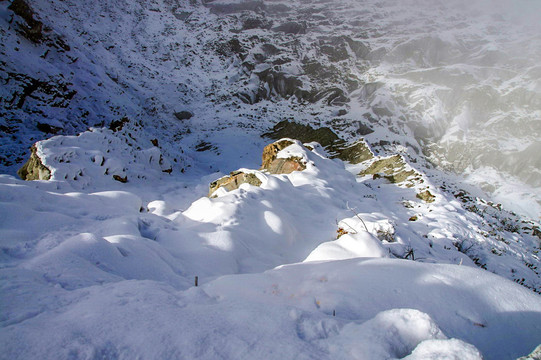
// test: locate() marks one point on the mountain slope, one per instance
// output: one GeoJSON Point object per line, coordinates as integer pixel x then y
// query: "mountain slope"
{"type": "Point", "coordinates": [357, 243]}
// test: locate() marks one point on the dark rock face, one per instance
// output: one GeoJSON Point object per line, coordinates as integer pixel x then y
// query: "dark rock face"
{"type": "Point", "coordinates": [32, 28]}
{"type": "Point", "coordinates": [291, 27]}
{"type": "Point", "coordinates": [117, 125]}
{"type": "Point", "coordinates": [183, 115]}
{"type": "Point", "coordinates": [47, 128]}
{"type": "Point", "coordinates": [233, 181]}
{"type": "Point", "coordinates": [120, 178]}
{"type": "Point", "coordinates": [34, 169]}
{"type": "Point", "coordinates": [305, 133]}
{"type": "Point", "coordinates": [221, 8]}
{"type": "Point", "coordinates": [256, 23]}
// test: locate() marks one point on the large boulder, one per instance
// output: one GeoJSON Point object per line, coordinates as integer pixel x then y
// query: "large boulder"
{"type": "Point", "coordinates": [277, 165]}
{"type": "Point", "coordinates": [233, 181]}
{"type": "Point", "coordinates": [34, 169]}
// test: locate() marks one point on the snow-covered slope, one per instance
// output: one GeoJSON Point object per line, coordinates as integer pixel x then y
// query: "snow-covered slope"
{"type": "Point", "coordinates": [457, 80]}
{"type": "Point", "coordinates": [151, 101]}
{"type": "Point", "coordinates": [112, 272]}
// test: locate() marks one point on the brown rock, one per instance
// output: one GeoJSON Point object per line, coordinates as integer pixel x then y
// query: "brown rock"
{"type": "Point", "coordinates": [120, 178]}
{"type": "Point", "coordinates": [286, 166]}
{"type": "Point", "coordinates": [275, 165]}
{"type": "Point", "coordinates": [426, 196]}
{"type": "Point", "coordinates": [270, 151]}
{"type": "Point", "coordinates": [34, 169]}
{"type": "Point", "coordinates": [233, 181]}
{"type": "Point", "coordinates": [393, 169]}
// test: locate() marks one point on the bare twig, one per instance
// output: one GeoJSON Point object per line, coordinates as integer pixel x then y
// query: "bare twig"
{"type": "Point", "coordinates": [357, 215]}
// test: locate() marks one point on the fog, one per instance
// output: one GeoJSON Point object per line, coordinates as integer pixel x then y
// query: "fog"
{"type": "Point", "coordinates": [466, 75]}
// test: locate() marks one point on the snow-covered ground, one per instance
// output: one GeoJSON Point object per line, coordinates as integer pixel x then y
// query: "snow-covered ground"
{"type": "Point", "coordinates": [322, 263]}
{"type": "Point", "coordinates": [88, 273]}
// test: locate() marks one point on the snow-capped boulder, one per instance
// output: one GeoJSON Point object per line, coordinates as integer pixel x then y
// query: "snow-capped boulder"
{"type": "Point", "coordinates": [234, 180]}
{"type": "Point", "coordinates": [34, 169]}
{"type": "Point", "coordinates": [275, 164]}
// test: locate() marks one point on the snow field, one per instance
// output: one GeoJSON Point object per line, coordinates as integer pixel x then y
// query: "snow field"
{"type": "Point", "coordinates": [93, 273]}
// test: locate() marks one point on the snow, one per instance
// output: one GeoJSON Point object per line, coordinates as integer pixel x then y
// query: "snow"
{"type": "Point", "coordinates": [316, 264]}
{"type": "Point", "coordinates": [110, 272]}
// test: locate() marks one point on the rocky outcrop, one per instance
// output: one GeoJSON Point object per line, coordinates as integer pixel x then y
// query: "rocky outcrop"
{"type": "Point", "coordinates": [426, 196]}
{"type": "Point", "coordinates": [34, 169]}
{"type": "Point", "coordinates": [233, 181]}
{"type": "Point", "coordinates": [271, 163]}
{"type": "Point", "coordinates": [31, 28]}
{"type": "Point", "coordinates": [355, 153]}
{"type": "Point", "coordinates": [397, 171]}
{"type": "Point", "coordinates": [271, 151]}
{"type": "Point", "coordinates": [291, 27]}
{"type": "Point", "coordinates": [393, 169]}
{"type": "Point", "coordinates": [275, 165]}
{"type": "Point", "coordinates": [183, 115]}
{"type": "Point", "coordinates": [305, 133]}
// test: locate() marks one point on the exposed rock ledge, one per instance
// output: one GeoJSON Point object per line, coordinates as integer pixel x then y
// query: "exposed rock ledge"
{"type": "Point", "coordinates": [271, 163]}
{"type": "Point", "coordinates": [34, 169]}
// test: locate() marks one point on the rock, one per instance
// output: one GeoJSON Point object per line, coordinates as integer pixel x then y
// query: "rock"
{"type": "Point", "coordinates": [291, 27]}
{"type": "Point", "coordinates": [183, 115]}
{"type": "Point", "coordinates": [305, 133]}
{"type": "Point", "coordinates": [270, 151]}
{"type": "Point", "coordinates": [32, 30]}
{"type": "Point", "coordinates": [281, 84]}
{"type": "Point", "coordinates": [256, 23]}
{"type": "Point", "coordinates": [275, 165]}
{"type": "Point", "coordinates": [286, 166]}
{"type": "Point", "coordinates": [393, 168]}
{"type": "Point", "coordinates": [333, 97]}
{"type": "Point", "coordinates": [364, 130]}
{"type": "Point", "coordinates": [426, 196]}
{"type": "Point", "coordinates": [235, 7]}
{"type": "Point", "coordinates": [120, 178]}
{"type": "Point", "coordinates": [233, 181]}
{"type": "Point", "coordinates": [34, 169]}
{"type": "Point", "coordinates": [117, 125]}
{"type": "Point", "coordinates": [355, 153]}
{"type": "Point", "coordinates": [49, 129]}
